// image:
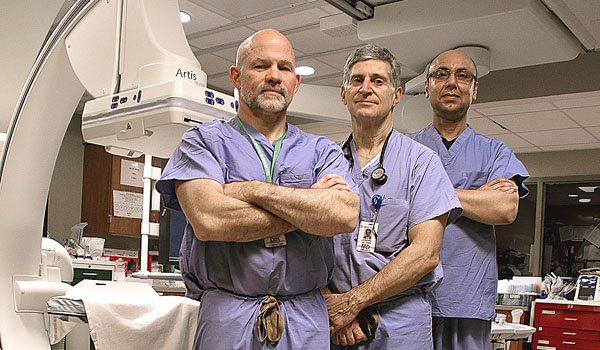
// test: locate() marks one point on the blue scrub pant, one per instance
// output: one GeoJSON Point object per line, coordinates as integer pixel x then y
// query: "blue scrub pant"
{"type": "Point", "coordinates": [461, 334]}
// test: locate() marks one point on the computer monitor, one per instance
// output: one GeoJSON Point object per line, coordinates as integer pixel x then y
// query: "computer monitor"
{"type": "Point", "coordinates": [171, 228]}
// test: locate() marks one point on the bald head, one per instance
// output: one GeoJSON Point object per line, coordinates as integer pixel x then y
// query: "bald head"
{"type": "Point", "coordinates": [451, 55]}
{"type": "Point", "coordinates": [261, 39]}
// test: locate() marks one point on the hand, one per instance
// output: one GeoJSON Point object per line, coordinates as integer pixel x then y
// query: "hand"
{"type": "Point", "coordinates": [332, 181]}
{"type": "Point", "coordinates": [340, 311]}
{"type": "Point", "coordinates": [349, 335]}
{"type": "Point", "coordinates": [500, 184]}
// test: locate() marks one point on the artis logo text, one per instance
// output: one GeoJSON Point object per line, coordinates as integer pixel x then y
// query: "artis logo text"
{"type": "Point", "coordinates": [189, 74]}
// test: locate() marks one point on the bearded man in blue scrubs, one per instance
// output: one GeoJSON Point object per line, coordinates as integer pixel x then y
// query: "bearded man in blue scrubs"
{"type": "Point", "coordinates": [488, 180]}
{"type": "Point", "coordinates": [378, 295]}
{"type": "Point", "coordinates": [263, 200]}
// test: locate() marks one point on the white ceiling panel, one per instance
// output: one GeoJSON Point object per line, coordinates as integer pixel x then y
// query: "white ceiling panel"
{"type": "Point", "coordinates": [515, 108]}
{"type": "Point", "coordinates": [594, 131]}
{"type": "Point", "coordinates": [571, 147]}
{"type": "Point", "coordinates": [337, 59]}
{"type": "Point", "coordinates": [221, 83]}
{"type": "Point", "coordinates": [512, 141]}
{"type": "Point", "coordinates": [292, 20]}
{"type": "Point", "coordinates": [246, 8]}
{"type": "Point", "coordinates": [579, 102]}
{"type": "Point", "coordinates": [228, 54]}
{"type": "Point", "coordinates": [473, 114]}
{"type": "Point", "coordinates": [330, 9]}
{"type": "Point", "coordinates": [235, 35]}
{"type": "Point", "coordinates": [202, 19]}
{"type": "Point", "coordinates": [312, 41]}
{"type": "Point", "coordinates": [331, 82]}
{"type": "Point", "coordinates": [321, 69]}
{"type": "Point", "coordinates": [526, 150]}
{"type": "Point", "coordinates": [587, 116]}
{"type": "Point", "coordinates": [558, 137]}
{"type": "Point", "coordinates": [535, 121]}
{"type": "Point", "coordinates": [212, 64]}
{"type": "Point", "coordinates": [485, 126]}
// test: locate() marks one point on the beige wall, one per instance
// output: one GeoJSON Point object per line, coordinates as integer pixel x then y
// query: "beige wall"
{"type": "Point", "coordinates": [563, 163]}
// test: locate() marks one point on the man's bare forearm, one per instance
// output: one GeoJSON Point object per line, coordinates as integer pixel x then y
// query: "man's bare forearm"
{"type": "Point", "coordinates": [490, 207]}
{"type": "Point", "coordinates": [217, 217]}
{"type": "Point", "coordinates": [323, 212]}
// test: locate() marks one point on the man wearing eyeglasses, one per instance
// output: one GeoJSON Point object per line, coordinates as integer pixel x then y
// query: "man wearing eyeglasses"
{"type": "Point", "coordinates": [488, 180]}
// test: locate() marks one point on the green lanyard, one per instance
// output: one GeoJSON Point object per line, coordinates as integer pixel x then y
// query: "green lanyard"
{"type": "Point", "coordinates": [261, 155]}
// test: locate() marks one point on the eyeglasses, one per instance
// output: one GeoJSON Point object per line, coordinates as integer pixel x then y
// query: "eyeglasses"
{"type": "Point", "coordinates": [461, 75]}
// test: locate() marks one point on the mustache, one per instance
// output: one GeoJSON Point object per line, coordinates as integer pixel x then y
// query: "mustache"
{"type": "Point", "coordinates": [278, 88]}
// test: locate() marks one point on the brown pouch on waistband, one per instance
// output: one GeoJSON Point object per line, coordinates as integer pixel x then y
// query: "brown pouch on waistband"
{"type": "Point", "coordinates": [269, 323]}
{"type": "Point", "coordinates": [368, 322]}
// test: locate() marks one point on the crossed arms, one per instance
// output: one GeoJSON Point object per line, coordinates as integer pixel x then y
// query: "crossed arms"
{"type": "Point", "coordinates": [495, 203]}
{"type": "Point", "coordinates": [251, 210]}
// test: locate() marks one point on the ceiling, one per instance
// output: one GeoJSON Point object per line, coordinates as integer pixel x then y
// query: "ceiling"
{"type": "Point", "coordinates": [518, 34]}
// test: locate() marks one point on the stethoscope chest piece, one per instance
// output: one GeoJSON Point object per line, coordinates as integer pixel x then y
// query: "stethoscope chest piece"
{"type": "Point", "coordinates": [378, 175]}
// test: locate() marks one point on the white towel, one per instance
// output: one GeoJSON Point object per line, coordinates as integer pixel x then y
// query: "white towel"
{"type": "Point", "coordinates": [143, 321]}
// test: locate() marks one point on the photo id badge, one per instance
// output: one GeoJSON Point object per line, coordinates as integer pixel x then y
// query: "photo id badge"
{"type": "Point", "coordinates": [366, 236]}
{"type": "Point", "coordinates": [277, 241]}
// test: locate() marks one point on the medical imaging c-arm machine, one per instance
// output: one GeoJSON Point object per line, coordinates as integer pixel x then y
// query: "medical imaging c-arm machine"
{"type": "Point", "coordinates": [133, 58]}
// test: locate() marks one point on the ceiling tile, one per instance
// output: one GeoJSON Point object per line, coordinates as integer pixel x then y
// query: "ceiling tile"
{"type": "Point", "coordinates": [202, 19]}
{"type": "Point", "coordinates": [292, 20]}
{"type": "Point", "coordinates": [228, 54]}
{"type": "Point", "coordinates": [526, 150]}
{"type": "Point", "coordinates": [221, 83]}
{"type": "Point", "coordinates": [473, 114]}
{"type": "Point", "coordinates": [235, 35]}
{"type": "Point", "coordinates": [247, 8]}
{"type": "Point", "coordinates": [558, 137]}
{"type": "Point", "coordinates": [587, 116]}
{"type": "Point", "coordinates": [485, 126]}
{"type": "Point", "coordinates": [515, 107]}
{"type": "Point", "coordinates": [535, 121]}
{"type": "Point", "coordinates": [579, 102]}
{"type": "Point", "coordinates": [331, 82]}
{"type": "Point", "coordinates": [321, 69]}
{"type": "Point", "coordinates": [312, 41]}
{"type": "Point", "coordinates": [330, 9]}
{"type": "Point", "coordinates": [571, 147]}
{"type": "Point", "coordinates": [512, 140]}
{"type": "Point", "coordinates": [594, 131]}
{"type": "Point", "coordinates": [213, 64]}
{"type": "Point", "coordinates": [337, 59]}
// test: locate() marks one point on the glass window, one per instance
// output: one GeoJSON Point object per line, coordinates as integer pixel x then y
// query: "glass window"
{"type": "Point", "coordinates": [571, 221]}
{"type": "Point", "coordinates": [514, 242]}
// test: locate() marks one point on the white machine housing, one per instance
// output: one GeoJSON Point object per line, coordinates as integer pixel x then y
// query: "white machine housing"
{"type": "Point", "coordinates": [588, 287]}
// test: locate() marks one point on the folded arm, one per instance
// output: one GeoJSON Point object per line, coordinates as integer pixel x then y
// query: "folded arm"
{"type": "Point", "coordinates": [415, 261]}
{"type": "Point", "coordinates": [323, 210]}
{"type": "Point", "coordinates": [215, 216]}
{"type": "Point", "coordinates": [495, 203]}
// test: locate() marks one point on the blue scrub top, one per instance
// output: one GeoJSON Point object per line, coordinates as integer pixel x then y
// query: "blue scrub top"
{"type": "Point", "coordinates": [222, 151]}
{"type": "Point", "coordinates": [417, 190]}
{"type": "Point", "coordinates": [468, 252]}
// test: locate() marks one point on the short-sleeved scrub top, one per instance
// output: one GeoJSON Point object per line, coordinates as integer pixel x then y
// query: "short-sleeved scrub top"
{"type": "Point", "coordinates": [232, 279]}
{"type": "Point", "coordinates": [468, 253]}
{"type": "Point", "coordinates": [417, 190]}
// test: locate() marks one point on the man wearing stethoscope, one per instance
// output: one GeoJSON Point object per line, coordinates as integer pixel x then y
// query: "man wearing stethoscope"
{"type": "Point", "coordinates": [383, 270]}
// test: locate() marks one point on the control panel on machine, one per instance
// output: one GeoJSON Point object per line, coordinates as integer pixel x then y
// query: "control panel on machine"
{"type": "Point", "coordinates": [588, 285]}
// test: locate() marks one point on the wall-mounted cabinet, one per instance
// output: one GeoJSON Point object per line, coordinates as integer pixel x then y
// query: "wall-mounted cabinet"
{"type": "Point", "coordinates": [104, 184]}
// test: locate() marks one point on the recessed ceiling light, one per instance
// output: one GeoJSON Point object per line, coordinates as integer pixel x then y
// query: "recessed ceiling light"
{"type": "Point", "coordinates": [584, 200]}
{"type": "Point", "coordinates": [573, 195]}
{"type": "Point", "coordinates": [185, 17]}
{"type": "Point", "coordinates": [305, 70]}
{"type": "Point", "coordinates": [588, 189]}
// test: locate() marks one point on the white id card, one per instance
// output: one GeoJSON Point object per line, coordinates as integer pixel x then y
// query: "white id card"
{"type": "Point", "coordinates": [277, 241]}
{"type": "Point", "coordinates": [366, 236]}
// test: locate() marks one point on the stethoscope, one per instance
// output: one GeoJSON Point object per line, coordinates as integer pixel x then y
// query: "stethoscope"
{"type": "Point", "coordinates": [378, 175]}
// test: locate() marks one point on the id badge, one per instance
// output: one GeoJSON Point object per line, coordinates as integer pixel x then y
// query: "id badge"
{"type": "Point", "coordinates": [366, 236]}
{"type": "Point", "coordinates": [277, 241]}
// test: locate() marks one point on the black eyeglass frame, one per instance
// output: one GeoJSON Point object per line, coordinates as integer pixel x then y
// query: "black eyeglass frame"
{"type": "Point", "coordinates": [473, 76]}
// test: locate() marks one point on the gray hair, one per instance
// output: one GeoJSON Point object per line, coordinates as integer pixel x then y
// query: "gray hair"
{"type": "Point", "coordinates": [373, 52]}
